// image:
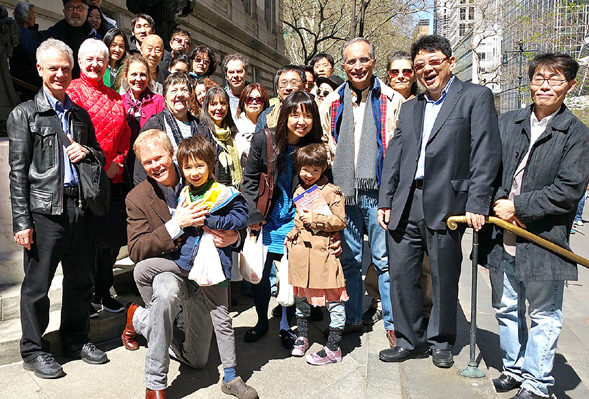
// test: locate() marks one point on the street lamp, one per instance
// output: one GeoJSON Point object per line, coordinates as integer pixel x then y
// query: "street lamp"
{"type": "Point", "coordinates": [521, 51]}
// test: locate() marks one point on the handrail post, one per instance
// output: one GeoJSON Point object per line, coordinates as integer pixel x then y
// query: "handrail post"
{"type": "Point", "coordinates": [472, 370]}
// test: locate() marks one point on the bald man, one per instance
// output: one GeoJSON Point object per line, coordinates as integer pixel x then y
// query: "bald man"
{"type": "Point", "coordinates": [152, 49]}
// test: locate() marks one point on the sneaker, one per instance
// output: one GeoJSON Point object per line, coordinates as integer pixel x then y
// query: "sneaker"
{"type": "Point", "coordinates": [44, 366]}
{"type": "Point", "coordinates": [93, 312]}
{"type": "Point", "coordinates": [300, 347]}
{"type": "Point", "coordinates": [112, 305]}
{"type": "Point", "coordinates": [89, 354]}
{"type": "Point", "coordinates": [239, 389]}
{"type": "Point", "coordinates": [324, 356]}
{"type": "Point", "coordinates": [578, 223]}
{"type": "Point", "coordinates": [371, 316]}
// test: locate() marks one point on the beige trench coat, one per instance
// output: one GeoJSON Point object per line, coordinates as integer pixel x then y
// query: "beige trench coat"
{"type": "Point", "coordinates": [310, 261]}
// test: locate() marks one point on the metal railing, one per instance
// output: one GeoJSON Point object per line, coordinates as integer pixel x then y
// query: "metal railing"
{"type": "Point", "coordinates": [472, 370]}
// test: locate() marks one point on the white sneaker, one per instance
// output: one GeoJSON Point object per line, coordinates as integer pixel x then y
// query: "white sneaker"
{"type": "Point", "coordinates": [578, 223]}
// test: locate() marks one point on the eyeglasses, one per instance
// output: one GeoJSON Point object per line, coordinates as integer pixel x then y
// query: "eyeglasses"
{"type": "Point", "coordinates": [183, 42]}
{"type": "Point", "coordinates": [202, 61]}
{"type": "Point", "coordinates": [285, 83]}
{"type": "Point", "coordinates": [434, 62]}
{"type": "Point", "coordinates": [393, 73]}
{"type": "Point", "coordinates": [323, 93]}
{"type": "Point", "coordinates": [552, 81]}
{"type": "Point", "coordinates": [353, 61]}
{"type": "Point", "coordinates": [254, 100]}
{"type": "Point", "coordinates": [71, 8]}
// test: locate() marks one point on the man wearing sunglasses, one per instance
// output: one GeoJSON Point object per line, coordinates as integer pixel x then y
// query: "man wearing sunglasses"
{"type": "Point", "coordinates": [442, 161]}
{"type": "Point", "coordinates": [179, 43]}
{"type": "Point", "coordinates": [545, 173]}
{"type": "Point", "coordinates": [358, 120]}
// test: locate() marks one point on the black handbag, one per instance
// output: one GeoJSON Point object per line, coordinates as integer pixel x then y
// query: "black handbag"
{"type": "Point", "coordinates": [266, 183]}
{"type": "Point", "coordinates": [94, 184]}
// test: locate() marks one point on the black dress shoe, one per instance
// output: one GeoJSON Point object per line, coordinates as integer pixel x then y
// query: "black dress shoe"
{"type": "Point", "coordinates": [505, 383]}
{"type": "Point", "coordinates": [44, 366]}
{"type": "Point", "coordinates": [398, 354]}
{"type": "Point", "coordinates": [525, 394]}
{"type": "Point", "coordinates": [89, 354]}
{"type": "Point", "coordinates": [442, 358]}
{"type": "Point", "coordinates": [287, 337]}
{"type": "Point", "coordinates": [254, 334]}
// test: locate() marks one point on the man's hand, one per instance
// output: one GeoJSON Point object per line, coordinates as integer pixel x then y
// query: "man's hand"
{"type": "Point", "coordinates": [190, 214]}
{"type": "Point", "coordinates": [383, 216]}
{"type": "Point", "coordinates": [223, 238]}
{"type": "Point", "coordinates": [335, 244]}
{"type": "Point", "coordinates": [113, 170]}
{"type": "Point", "coordinates": [24, 238]}
{"type": "Point", "coordinates": [75, 151]}
{"type": "Point", "coordinates": [475, 220]}
{"type": "Point", "coordinates": [505, 209]}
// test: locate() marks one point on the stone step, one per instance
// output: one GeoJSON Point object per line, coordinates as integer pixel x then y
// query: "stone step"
{"type": "Point", "coordinates": [10, 294]}
{"type": "Point", "coordinates": [107, 326]}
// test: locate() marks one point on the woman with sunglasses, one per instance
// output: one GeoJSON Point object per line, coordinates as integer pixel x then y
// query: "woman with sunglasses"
{"type": "Point", "coordinates": [252, 101]}
{"type": "Point", "coordinates": [400, 75]}
{"type": "Point", "coordinates": [326, 86]}
{"type": "Point", "coordinates": [204, 62]}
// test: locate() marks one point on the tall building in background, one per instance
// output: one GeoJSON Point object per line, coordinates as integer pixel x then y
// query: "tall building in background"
{"type": "Point", "coordinates": [423, 27]}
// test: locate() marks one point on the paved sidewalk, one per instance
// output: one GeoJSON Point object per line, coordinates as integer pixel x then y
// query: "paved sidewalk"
{"type": "Point", "coordinates": [269, 368]}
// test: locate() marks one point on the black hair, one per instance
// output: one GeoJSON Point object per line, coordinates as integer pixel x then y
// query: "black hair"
{"type": "Point", "coordinates": [204, 116]}
{"type": "Point", "coordinates": [314, 154]}
{"type": "Point", "coordinates": [554, 62]}
{"type": "Point", "coordinates": [430, 44]}
{"type": "Point", "coordinates": [108, 39]}
{"type": "Point", "coordinates": [146, 17]}
{"type": "Point", "coordinates": [290, 105]}
{"type": "Point", "coordinates": [321, 55]}
{"type": "Point", "coordinates": [288, 68]}
{"type": "Point", "coordinates": [196, 147]}
{"type": "Point", "coordinates": [213, 60]}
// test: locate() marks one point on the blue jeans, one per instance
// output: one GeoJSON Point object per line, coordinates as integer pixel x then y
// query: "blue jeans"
{"type": "Point", "coordinates": [360, 215]}
{"type": "Point", "coordinates": [579, 214]}
{"type": "Point", "coordinates": [527, 356]}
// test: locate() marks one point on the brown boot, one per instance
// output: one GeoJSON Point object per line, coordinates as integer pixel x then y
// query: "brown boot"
{"type": "Point", "coordinates": [129, 334]}
{"type": "Point", "coordinates": [158, 394]}
{"type": "Point", "coordinates": [392, 338]}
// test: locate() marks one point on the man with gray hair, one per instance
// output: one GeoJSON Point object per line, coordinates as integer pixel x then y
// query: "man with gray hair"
{"type": "Point", "coordinates": [50, 218]}
{"type": "Point", "coordinates": [360, 118]}
{"type": "Point", "coordinates": [73, 29]}
{"type": "Point", "coordinates": [235, 69]}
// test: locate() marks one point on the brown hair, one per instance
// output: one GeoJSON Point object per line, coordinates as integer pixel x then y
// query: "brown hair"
{"type": "Point", "coordinates": [196, 147]}
{"type": "Point", "coordinates": [314, 154]}
{"type": "Point", "coordinates": [245, 94]}
{"type": "Point", "coordinates": [122, 74]}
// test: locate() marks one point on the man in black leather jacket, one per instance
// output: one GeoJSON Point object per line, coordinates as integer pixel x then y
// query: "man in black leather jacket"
{"type": "Point", "coordinates": [50, 219]}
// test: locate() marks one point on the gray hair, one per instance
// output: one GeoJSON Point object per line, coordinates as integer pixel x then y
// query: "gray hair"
{"type": "Point", "coordinates": [354, 40]}
{"type": "Point", "coordinates": [91, 45]}
{"type": "Point", "coordinates": [22, 11]}
{"type": "Point", "coordinates": [244, 60]}
{"type": "Point", "coordinates": [56, 45]}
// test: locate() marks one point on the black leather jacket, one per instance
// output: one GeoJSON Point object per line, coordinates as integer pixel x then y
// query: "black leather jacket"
{"type": "Point", "coordinates": [36, 157]}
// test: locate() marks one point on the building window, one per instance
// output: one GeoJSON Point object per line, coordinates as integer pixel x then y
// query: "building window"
{"type": "Point", "coordinates": [471, 13]}
{"type": "Point", "coordinates": [482, 56]}
{"type": "Point", "coordinates": [462, 29]}
{"type": "Point", "coordinates": [462, 14]}
{"type": "Point", "coordinates": [269, 11]}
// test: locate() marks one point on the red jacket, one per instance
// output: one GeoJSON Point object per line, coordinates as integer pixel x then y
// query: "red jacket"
{"type": "Point", "coordinates": [108, 116]}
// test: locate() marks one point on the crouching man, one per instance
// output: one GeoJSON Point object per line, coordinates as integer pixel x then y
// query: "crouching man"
{"type": "Point", "coordinates": [545, 173]}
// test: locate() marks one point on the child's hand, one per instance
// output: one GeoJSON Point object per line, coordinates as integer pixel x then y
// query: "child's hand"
{"type": "Point", "coordinates": [306, 217]}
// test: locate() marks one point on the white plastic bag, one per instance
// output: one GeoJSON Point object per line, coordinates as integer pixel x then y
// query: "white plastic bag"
{"type": "Point", "coordinates": [252, 258]}
{"type": "Point", "coordinates": [285, 291]}
{"type": "Point", "coordinates": [207, 269]}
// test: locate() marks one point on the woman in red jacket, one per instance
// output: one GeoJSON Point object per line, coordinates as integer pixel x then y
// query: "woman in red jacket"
{"type": "Point", "coordinates": [106, 110]}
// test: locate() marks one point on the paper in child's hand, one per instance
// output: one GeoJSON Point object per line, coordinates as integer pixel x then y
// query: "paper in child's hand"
{"type": "Point", "coordinates": [311, 200]}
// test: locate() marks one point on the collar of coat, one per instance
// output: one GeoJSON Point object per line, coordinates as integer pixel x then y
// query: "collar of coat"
{"type": "Point", "coordinates": [561, 121]}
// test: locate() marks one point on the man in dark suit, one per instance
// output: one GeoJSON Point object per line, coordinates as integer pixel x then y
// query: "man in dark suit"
{"type": "Point", "coordinates": [441, 161]}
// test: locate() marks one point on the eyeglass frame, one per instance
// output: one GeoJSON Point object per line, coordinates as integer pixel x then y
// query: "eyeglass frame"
{"type": "Point", "coordinates": [250, 100]}
{"type": "Point", "coordinates": [401, 72]}
{"type": "Point", "coordinates": [437, 63]}
{"type": "Point", "coordinates": [79, 8]}
{"type": "Point", "coordinates": [562, 81]}
{"type": "Point", "coordinates": [292, 83]}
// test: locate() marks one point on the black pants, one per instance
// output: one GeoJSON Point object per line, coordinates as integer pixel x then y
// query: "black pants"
{"type": "Point", "coordinates": [407, 246]}
{"type": "Point", "coordinates": [66, 238]}
{"type": "Point", "coordinates": [261, 292]}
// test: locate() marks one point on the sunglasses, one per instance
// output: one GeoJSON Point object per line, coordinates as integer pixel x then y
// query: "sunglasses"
{"type": "Point", "coordinates": [323, 93]}
{"type": "Point", "coordinates": [393, 73]}
{"type": "Point", "coordinates": [254, 100]}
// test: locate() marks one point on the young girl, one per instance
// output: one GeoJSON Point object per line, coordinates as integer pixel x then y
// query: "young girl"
{"type": "Point", "coordinates": [227, 211]}
{"type": "Point", "coordinates": [314, 272]}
